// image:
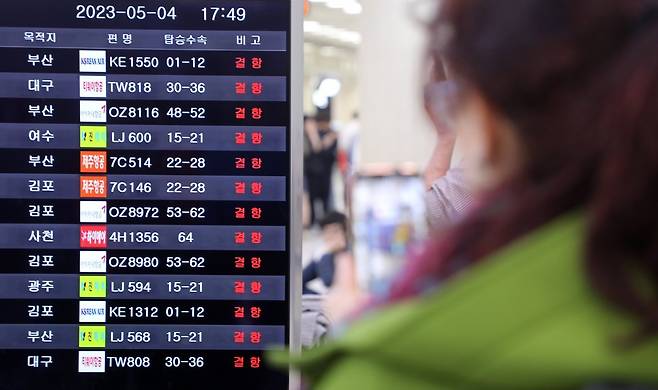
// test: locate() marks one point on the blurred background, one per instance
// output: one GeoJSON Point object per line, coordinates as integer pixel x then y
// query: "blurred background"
{"type": "Point", "coordinates": [367, 137]}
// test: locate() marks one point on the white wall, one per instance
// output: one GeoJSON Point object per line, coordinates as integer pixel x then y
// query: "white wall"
{"type": "Point", "coordinates": [329, 61]}
{"type": "Point", "coordinates": [391, 70]}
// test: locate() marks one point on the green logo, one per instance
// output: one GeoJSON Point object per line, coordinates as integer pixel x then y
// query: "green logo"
{"type": "Point", "coordinates": [93, 286]}
{"type": "Point", "coordinates": [93, 136]}
{"type": "Point", "coordinates": [92, 337]}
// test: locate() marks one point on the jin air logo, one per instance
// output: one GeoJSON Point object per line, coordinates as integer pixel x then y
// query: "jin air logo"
{"type": "Point", "coordinates": [93, 137]}
{"type": "Point", "coordinates": [93, 286]}
{"type": "Point", "coordinates": [92, 337]}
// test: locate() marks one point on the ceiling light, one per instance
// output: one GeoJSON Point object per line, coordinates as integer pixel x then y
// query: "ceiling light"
{"type": "Point", "coordinates": [330, 87]}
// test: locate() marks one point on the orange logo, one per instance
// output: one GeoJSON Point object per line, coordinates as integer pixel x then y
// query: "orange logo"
{"type": "Point", "coordinates": [93, 187]}
{"type": "Point", "coordinates": [93, 162]}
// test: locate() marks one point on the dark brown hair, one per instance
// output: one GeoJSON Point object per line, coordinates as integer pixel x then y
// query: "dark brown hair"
{"type": "Point", "coordinates": [579, 81]}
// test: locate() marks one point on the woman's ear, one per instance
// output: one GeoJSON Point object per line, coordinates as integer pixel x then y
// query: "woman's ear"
{"type": "Point", "coordinates": [505, 151]}
{"type": "Point", "coordinates": [493, 136]}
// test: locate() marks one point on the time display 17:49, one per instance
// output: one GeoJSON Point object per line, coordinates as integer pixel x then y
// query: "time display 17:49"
{"type": "Point", "coordinates": [212, 14]}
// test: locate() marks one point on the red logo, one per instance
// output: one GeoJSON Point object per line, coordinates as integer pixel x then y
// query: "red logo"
{"type": "Point", "coordinates": [93, 237]}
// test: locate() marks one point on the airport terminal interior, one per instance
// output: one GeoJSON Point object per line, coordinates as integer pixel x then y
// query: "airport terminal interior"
{"type": "Point", "coordinates": [329, 194]}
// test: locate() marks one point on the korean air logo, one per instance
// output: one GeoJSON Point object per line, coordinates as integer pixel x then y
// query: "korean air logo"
{"type": "Point", "coordinates": [93, 311]}
{"type": "Point", "coordinates": [93, 86]}
{"type": "Point", "coordinates": [91, 361]}
{"type": "Point", "coordinates": [93, 61]}
{"type": "Point", "coordinates": [93, 111]}
{"type": "Point", "coordinates": [93, 262]}
{"type": "Point", "coordinates": [93, 212]}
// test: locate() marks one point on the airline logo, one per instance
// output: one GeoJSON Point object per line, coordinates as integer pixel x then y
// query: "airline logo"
{"type": "Point", "coordinates": [91, 361]}
{"type": "Point", "coordinates": [93, 137]}
{"type": "Point", "coordinates": [93, 262]}
{"type": "Point", "coordinates": [93, 311]}
{"type": "Point", "coordinates": [93, 212]}
{"type": "Point", "coordinates": [93, 237]}
{"type": "Point", "coordinates": [93, 86]}
{"type": "Point", "coordinates": [93, 162]}
{"type": "Point", "coordinates": [93, 61]}
{"type": "Point", "coordinates": [93, 111]}
{"type": "Point", "coordinates": [92, 337]}
{"type": "Point", "coordinates": [93, 187]}
{"type": "Point", "coordinates": [93, 286]}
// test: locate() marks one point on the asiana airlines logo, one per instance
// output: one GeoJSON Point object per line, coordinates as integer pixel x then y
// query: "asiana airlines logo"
{"type": "Point", "coordinates": [93, 111]}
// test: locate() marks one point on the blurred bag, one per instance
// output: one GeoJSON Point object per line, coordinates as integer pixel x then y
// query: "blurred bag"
{"type": "Point", "coordinates": [315, 323]}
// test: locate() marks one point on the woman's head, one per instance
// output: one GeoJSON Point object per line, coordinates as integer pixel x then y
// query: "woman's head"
{"type": "Point", "coordinates": [547, 74]}
{"type": "Point", "coordinates": [558, 109]}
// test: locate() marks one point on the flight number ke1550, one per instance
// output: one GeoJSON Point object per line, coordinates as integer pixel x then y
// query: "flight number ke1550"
{"type": "Point", "coordinates": [145, 62]}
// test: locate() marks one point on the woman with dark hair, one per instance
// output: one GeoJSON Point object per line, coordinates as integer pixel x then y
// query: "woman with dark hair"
{"type": "Point", "coordinates": [552, 282]}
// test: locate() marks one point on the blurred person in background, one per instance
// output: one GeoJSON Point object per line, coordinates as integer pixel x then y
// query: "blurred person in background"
{"type": "Point", "coordinates": [348, 157]}
{"type": "Point", "coordinates": [306, 201]}
{"type": "Point", "coordinates": [335, 241]}
{"type": "Point", "coordinates": [552, 282]}
{"type": "Point", "coordinates": [448, 196]}
{"type": "Point", "coordinates": [319, 163]}
{"type": "Point", "coordinates": [348, 143]}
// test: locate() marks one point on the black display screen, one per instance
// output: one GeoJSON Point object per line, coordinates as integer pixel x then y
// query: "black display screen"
{"type": "Point", "coordinates": [144, 184]}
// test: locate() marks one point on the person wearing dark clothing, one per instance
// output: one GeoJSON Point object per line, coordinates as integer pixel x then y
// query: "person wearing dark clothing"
{"type": "Point", "coordinates": [334, 235]}
{"type": "Point", "coordinates": [323, 269]}
{"type": "Point", "coordinates": [319, 160]}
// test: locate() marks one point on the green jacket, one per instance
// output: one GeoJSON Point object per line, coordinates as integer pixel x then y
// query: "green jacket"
{"type": "Point", "coordinates": [524, 319]}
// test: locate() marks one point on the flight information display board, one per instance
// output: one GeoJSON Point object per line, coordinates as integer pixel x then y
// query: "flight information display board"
{"type": "Point", "coordinates": [145, 187]}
